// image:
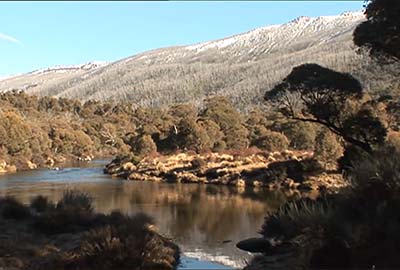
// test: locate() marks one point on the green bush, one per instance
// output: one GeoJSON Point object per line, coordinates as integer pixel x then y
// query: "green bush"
{"type": "Point", "coordinates": [272, 141]}
{"type": "Point", "coordinates": [300, 134]}
{"type": "Point", "coordinates": [327, 149]}
{"type": "Point", "coordinates": [145, 145]}
{"type": "Point", "coordinates": [220, 110]}
{"type": "Point", "coordinates": [214, 134]}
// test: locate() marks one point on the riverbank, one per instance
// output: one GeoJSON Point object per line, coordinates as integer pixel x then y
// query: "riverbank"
{"type": "Point", "coordinates": [274, 170]}
{"type": "Point", "coordinates": [69, 234]}
{"type": "Point", "coordinates": [56, 162]}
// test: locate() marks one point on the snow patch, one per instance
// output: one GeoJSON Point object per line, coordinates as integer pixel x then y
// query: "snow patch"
{"type": "Point", "coordinates": [272, 34]}
{"type": "Point", "coordinates": [65, 68]}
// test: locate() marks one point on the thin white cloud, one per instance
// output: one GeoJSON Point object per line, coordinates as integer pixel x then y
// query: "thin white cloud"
{"type": "Point", "coordinates": [10, 38]}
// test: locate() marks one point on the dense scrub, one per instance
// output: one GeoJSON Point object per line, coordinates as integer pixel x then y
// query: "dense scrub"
{"type": "Point", "coordinates": [355, 229]}
{"type": "Point", "coordinates": [41, 131]}
{"type": "Point", "coordinates": [69, 235]}
{"type": "Point", "coordinates": [359, 227]}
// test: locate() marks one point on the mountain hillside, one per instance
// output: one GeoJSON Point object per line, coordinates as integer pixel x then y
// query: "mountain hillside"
{"type": "Point", "coordinates": [241, 67]}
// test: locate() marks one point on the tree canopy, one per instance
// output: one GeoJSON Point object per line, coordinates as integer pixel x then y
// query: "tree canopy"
{"type": "Point", "coordinates": [381, 32]}
{"type": "Point", "coordinates": [313, 93]}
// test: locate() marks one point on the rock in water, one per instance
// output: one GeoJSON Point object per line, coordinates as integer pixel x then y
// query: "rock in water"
{"type": "Point", "coordinates": [254, 245]}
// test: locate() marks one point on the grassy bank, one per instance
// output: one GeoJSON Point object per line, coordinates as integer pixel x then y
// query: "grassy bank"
{"type": "Point", "coordinates": [296, 170]}
{"type": "Point", "coordinates": [68, 234]}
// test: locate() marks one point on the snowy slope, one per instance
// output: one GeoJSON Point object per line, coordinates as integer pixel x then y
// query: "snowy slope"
{"type": "Point", "coordinates": [63, 68]}
{"type": "Point", "coordinates": [241, 67]}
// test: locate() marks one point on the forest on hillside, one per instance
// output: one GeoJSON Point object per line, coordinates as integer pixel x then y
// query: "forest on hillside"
{"type": "Point", "coordinates": [38, 130]}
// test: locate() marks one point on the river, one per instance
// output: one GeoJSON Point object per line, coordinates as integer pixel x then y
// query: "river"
{"type": "Point", "coordinates": [206, 221]}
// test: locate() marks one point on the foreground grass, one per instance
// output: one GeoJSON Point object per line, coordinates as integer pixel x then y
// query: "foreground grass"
{"type": "Point", "coordinates": [70, 235]}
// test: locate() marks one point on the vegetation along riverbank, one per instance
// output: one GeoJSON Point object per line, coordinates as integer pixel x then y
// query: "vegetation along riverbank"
{"type": "Point", "coordinates": [41, 132]}
{"type": "Point", "coordinates": [357, 228]}
{"type": "Point", "coordinates": [68, 234]}
{"type": "Point", "coordinates": [258, 169]}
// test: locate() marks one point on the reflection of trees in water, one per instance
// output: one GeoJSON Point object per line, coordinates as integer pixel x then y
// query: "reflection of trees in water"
{"type": "Point", "coordinates": [205, 213]}
{"type": "Point", "coordinates": [221, 212]}
{"type": "Point", "coordinates": [216, 212]}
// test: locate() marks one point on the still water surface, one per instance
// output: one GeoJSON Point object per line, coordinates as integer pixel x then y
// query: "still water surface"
{"type": "Point", "coordinates": [206, 221]}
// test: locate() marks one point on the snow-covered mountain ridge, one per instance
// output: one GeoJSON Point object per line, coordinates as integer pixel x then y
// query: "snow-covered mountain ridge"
{"type": "Point", "coordinates": [65, 68]}
{"type": "Point", "coordinates": [240, 67]}
{"type": "Point", "coordinates": [275, 33]}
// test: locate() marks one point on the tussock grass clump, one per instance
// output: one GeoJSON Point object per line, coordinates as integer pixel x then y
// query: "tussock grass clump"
{"type": "Point", "coordinates": [41, 204]}
{"type": "Point", "coordinates": [76, 200]}
{"type": "Point", "coordinates": [128, 242]}
{"type": "Point", "coordinates": [379, 172]}
{"type": "Point", "coordinates": [293, 217]}
{"type": "Point", "coordinates": [73, 211]}
{"type": "Point", "coordinates": [12, 209]}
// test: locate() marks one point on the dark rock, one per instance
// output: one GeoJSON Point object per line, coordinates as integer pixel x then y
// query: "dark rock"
{"type": "Point", "coordinates": [254, 245]}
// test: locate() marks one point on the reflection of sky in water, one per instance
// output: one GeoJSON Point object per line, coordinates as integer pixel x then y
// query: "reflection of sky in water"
{"type": "Point", "coordinates": [193, 263]}
{"type": "Point", "coordinates": [205, 220]}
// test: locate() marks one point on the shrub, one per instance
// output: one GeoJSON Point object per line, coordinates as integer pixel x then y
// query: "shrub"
{"type": "Point", "coordinates": [237, 137]}
{"type": "Point", "coordinates": [214, 134]}
{"type": "Point", "coordinates": [351, 155]}
{"type": "Point", "coordinates": [145, 145]}
{"type": "Point", "coordinates": [377, 175]}
{"type": "Point", "coordinates": [72, 212]}
{"type": "Point", "coordinates": [219, 146]}
{"type": "Point", "coordinates": [293, 217]}
{"type": "Point", "coordinates": [40, 203]}
{"type": "Point", "coordinates": [70, 140]}
{"type": "Point", "coordinates": [327, 149]}
{"type": "Point", "coordinates": [129, 157]}
{"type": "Point", "coordinates": [13, 209]}
{"type": "Point", "coordinates": [55, 221]}
{"type": "Point", "coordinates": [76, 200]}
{"type": "Point", "coordinates": [220, 110]}
{"type": "Point", "coordinates": [393, 139]}
{"type": "Point", "coordinates": [198, 163]}
{"type": "Point", "coordinates": [272, 141]}
{"type": "Point", "coordinates": [300, 134]}
{"type": "Point", "coordinates": [128, 244]}
{"type": "Point", "coordinates": [190, 135]}
{"type": "Point", "coordinates": [293, 169]}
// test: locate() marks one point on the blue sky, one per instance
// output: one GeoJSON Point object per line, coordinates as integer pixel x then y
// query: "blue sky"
{"type": "Point", "coordinates": [35, 35]}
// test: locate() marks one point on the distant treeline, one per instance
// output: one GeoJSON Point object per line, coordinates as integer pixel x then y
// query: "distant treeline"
{"type": "Point", "coordinates": [36, 129]}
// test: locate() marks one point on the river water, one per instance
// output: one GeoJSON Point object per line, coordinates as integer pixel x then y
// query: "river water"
{"type": "Point", "coordinates": [206, 221]}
